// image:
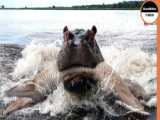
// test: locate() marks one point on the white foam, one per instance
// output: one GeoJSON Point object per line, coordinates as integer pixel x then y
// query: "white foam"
{"type": "Point", "coordinates": [56, 102]}
{"type": "Point", "coordinates": [134, 64]}
{"type": "Point", "coordinates": [152, 102]}
{"type": "Point", "coordinates": [130, 63]}
{"type": "Point", "coordinates": [36, 57]}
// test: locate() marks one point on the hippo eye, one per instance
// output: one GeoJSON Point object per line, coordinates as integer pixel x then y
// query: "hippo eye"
{"type": "Point", "coordinates": [71, 36]}
{"type": "Point", "coordinates": [82, 37]}
{"type": "Point", "coordinates": [89, 38]}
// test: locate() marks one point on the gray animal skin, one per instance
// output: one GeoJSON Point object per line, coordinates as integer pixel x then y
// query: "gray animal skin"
{"type": "Point", "coordinates": [82, 70]}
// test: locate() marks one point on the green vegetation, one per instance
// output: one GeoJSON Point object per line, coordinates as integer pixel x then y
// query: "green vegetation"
{"type": "Point", "coordinates": [121, 5]}
{"type": "Point", "coordinates": [2, 7]}
{"type": "Point", "coordinates": [125, 5]}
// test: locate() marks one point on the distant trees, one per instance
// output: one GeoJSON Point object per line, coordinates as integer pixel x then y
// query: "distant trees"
{"type": "Point", "coordinates": [2, 6]}
{"type": "Point", "coordinates": [126, 5]}
{"type": "Point", "coordinates": [120, 5]}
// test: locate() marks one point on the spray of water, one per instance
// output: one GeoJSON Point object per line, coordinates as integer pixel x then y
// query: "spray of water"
{"type": "Point", "coordinates": [131, 63]}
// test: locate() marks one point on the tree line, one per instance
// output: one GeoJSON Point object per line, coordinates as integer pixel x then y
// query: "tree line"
{"type": "Point", "coordinates": [126, 5]}
{"type": "Point", "coordinates": [120, 5]}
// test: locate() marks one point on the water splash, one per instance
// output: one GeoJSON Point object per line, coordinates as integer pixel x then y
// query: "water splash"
{"type": "Point", "coordinates": [131, 63]}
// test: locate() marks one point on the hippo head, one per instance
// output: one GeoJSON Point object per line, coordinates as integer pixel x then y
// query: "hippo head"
{"type": "Point", "coordinates": [79, 53]}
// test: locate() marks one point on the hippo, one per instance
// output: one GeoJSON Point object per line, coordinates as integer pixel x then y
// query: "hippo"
{"type": "Point", "coordinates": [83, 71]}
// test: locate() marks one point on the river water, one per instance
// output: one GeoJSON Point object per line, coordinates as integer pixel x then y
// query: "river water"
{"type": "Point", "coordinates": [127, 44]}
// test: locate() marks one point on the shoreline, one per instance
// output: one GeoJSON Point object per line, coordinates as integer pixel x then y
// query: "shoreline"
{"type": "Point", "coordinates": [62, 9]}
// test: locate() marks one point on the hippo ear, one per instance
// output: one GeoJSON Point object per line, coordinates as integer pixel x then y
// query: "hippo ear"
{"type": "Point", "coordinates": [65, 29]}
{"type": "Point", "coordinates": [94, 29]}
{"type": "Point", "coordinates": [65, 34]}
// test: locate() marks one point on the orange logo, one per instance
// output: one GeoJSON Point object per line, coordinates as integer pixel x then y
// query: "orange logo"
{"type": "Point", "coordinates": [149, 12]}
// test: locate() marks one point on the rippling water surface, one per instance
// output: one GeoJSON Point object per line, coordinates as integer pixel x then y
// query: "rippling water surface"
{"type": "Point", "coordinates": [120, 28]}
{"type": "Point", "coordinates": [126, 43]}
